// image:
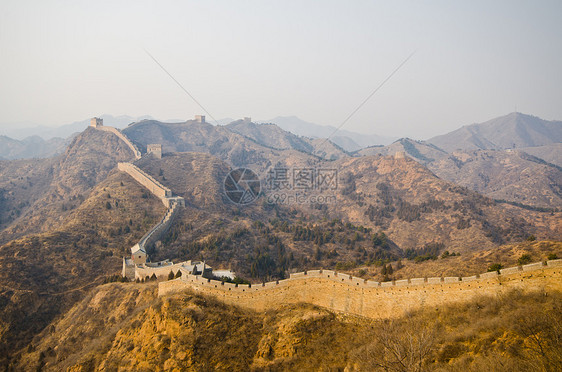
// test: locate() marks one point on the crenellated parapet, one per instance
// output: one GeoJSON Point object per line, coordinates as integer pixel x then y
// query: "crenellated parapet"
{"type": "Point", "coordinates": [348, 294]}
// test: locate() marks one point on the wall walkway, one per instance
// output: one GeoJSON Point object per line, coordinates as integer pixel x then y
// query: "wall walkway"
{"type": "Point", "coordinates": [343, 293]}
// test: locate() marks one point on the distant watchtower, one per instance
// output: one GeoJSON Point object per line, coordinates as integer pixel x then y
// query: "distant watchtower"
{"type": "Point", "coordinates": [247, 120]}
{"type": "Point", "coordinates": [96, 122]}
{"type": "Point", "coordinates": [155, 149]}
{"type": "Point", "coordinates": [200, 118]}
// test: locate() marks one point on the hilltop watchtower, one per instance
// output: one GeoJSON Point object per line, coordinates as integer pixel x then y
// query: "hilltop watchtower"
{"type": "Point", "coordinates": [155, 149]}
{"type": "Point", "coordinates": [96, 122]}
{"type": "Point", "coordinates": [200, 118]}
{"type": "Point", "coordinates": [247, 120]}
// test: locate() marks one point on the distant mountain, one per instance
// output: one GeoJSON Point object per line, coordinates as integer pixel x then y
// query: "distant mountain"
{"type": "Point", "coordinates": [420, 151]}
{"type": "Point", "coordinates": [20, 131]}
{"type": "Point", "coordinates": [241, 144]}
{"type": "Point", "coordinates": [349, 141]}
{"type": "Point", "coordinates": [31, 147]}
{"type": "Point", "coordinates": [271, 135]}
{"type": "Point", "coordinates": [511, 175]}
{"type": "Point", "coordinates": [515, 130]}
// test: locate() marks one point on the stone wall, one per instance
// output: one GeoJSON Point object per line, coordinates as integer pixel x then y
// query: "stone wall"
{"type": "Point", "coordinates": [161, 272]}
{"type": "Point", "coordinates": [147, 181]}
{"type": "Point", "coordinates": [159, 229]}
{"type": "Point", "coordinates": [343, 293]}
{"type": "Point", "coordinates": [124, 138]}
{"type": "Point", "coordinates": [165, 194]}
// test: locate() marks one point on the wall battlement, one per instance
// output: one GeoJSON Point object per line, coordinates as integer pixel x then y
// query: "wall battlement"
{"type": "Point", "coordinates": [344, 293]}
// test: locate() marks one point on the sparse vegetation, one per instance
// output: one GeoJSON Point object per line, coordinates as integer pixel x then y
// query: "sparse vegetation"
{"type": "Point", "coordinates": [495, 267]}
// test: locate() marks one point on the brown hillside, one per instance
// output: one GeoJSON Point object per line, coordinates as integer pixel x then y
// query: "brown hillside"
{"type": "Point", "coordinates": [508, 175]}
{"type": "Point", "coordinates": [44, 274]}
{"type": "Point", "coordinates": [398, 197]}
{"type": "Point", "coordinates": [87, 161]}
{"type": "Point", "coordinates": [22, 183]}
{"type": "Point", "coordinates": [415, 207]}
{"type": "Point", "coordinates": [468, 264]}
{"type": "Point", "coordinates": [233, 148]}
{"type": "Point", "coordinates": [125, 325]}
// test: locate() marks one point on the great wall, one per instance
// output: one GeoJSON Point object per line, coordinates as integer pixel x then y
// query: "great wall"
{"type": "Point", "coordinates": [138, 259]}
{"type": "Point", "coordinates": [343, 293]}
{"type": "Point", "coordinates": [326, 288]}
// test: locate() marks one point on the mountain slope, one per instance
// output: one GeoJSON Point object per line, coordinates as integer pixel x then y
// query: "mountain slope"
{"type": "Point", "coordinates": [87, 161]}
{"type": "Point", "coordinates": [234, 148]}
{"type": "Point", "coordinates": [515, 130]}
{"type": "Point", "coordinates": [414, 207]}
{"type": "Point", "coordinates": [44, 274]}
{"type": "Point", "coordinates": [549, 153]}
{"type": "Point", "coordinates": [270, 135]}
{"type": "Point", "coordinates": [508, 175]}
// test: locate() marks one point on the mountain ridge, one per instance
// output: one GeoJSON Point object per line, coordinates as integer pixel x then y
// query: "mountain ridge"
{"type": "Point", "coordinates": [514, 130]}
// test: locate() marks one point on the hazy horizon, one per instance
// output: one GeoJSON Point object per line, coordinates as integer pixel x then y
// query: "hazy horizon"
{"type": "Point", "coordinates": [474, 61]}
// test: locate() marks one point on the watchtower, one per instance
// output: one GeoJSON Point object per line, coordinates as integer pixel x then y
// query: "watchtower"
{"type": "Point", "coordinates": [96, 122]}
{"type": "Point", "coordinates": [200, 118]}
{"type": "Point", "coordinates": [155, 149]}
{"type": "Point", "coordinates": [247, 120]}
{"type": "Point", "coordinates": [138, 255]}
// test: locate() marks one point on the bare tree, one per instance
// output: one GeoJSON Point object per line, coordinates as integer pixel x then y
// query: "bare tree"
{"type": "Point", "coordinates": [400, 346]}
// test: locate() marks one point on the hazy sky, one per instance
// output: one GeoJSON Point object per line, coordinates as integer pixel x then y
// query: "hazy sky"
{"type": "Point", "coordinates": [63, 61]}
